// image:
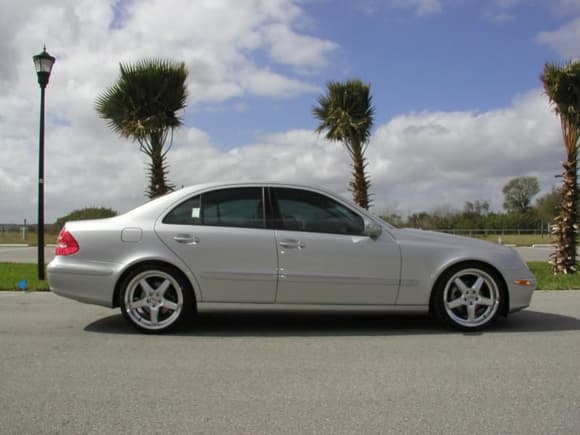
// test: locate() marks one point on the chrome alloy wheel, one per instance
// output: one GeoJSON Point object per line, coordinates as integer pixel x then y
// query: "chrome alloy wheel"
{"type": "Point", "coordinates": [153, 300]}
{"type": "Point", "coordinates": [471, 298]}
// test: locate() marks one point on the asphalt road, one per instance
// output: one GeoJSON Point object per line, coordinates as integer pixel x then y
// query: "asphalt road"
{"type": "Point", "coordinates": [71, 368]}
{"type": "Point", "coordinates": [29, 255]}
{"type": "Point", "coordinates": [23, 254]}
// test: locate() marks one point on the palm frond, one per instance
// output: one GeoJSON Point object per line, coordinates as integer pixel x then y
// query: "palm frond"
{"type": "Point", "coordinates": [147, 97]}
{"type": "Point", "coordinates": [345, 114]}
{"type": "Point", "coordinates": [144, 104]}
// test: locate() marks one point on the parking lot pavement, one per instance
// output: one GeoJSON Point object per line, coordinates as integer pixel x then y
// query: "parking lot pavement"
{"type": "Point", "coordinates": [24, 254]}
{"type": "Point", "coordinates": [534, 254]}
{"type": "Point", "coordinates": [67, 367]}
{"type": "Point", "coordinates": [28, 254]}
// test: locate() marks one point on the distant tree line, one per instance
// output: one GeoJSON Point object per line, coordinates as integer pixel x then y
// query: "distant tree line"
{"type": "Point", "coordinates": [519, 213]}
{"type": "Point", "coordinates": [84, 214]}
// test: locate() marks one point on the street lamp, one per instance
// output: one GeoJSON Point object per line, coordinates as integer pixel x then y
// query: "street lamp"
{"type": "Point", "coordinates": [43, 63]}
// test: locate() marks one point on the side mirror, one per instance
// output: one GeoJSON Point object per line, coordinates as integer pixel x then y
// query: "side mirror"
{"type": "Point", "coordinates": [372, 230]}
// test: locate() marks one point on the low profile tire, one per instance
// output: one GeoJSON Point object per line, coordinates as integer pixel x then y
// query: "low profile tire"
{"type": "Point", "coordinates": [155, 298]}
{"type": "Point", "coordinates": [468, 297]}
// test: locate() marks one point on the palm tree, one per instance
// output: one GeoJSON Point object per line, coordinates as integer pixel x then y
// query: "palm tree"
{"type": "Point", "coordinates": [142, 105]}
{"type": "Point", "coordinates": [346, 114]}
{"type": "Point", "coordinates": [562, 86]}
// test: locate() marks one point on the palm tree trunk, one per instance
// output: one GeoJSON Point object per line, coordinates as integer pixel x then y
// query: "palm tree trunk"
{"type": "Point", "coordinates": [158, 184]}
{"type": "Point", "coordinates": [360, 181]}
{"type": "Point", "coordinates": [564, 259]}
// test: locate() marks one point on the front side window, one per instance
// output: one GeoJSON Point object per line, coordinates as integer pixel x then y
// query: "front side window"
{"type": "Point", "coordinates": [302, 210]}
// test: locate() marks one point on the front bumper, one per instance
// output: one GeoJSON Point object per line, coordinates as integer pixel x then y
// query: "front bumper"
{"type": "Point", "coordinates": [520, 295]}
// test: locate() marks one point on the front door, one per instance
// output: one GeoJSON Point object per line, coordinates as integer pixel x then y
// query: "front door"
{"type": "Point", "coordinates": [324, 257]}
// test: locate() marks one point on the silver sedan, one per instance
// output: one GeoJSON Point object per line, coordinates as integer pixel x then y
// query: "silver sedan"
{"type": "Point", "coordinates": [268, 246]}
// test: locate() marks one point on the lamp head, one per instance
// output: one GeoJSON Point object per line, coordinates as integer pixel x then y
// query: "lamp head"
{"type": "Point", "coordinates": [43, 63]}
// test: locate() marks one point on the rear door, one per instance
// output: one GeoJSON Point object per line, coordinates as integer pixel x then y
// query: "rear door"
{"type": "Point", "coordinates": [221, 235]}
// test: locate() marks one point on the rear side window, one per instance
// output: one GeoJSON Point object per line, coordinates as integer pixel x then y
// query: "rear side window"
{"type": "Point", "coordinates": [239, 207]}
{"type": "Point", "coordinates": [186, 213]}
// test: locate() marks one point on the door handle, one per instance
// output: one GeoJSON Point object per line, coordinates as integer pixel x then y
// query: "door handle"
{"type": "Point", "coordinates": [292, 244]}
{"type": "Point", "coordinates": [186, 239]}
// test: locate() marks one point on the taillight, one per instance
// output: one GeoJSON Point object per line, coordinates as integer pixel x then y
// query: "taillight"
{"type": "Point", "coordinates": [66, 243]}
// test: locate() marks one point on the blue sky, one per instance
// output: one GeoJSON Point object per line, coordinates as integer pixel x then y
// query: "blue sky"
{"type": "Point", "coordinates": [460, 58]}
{"type": "Point", "coordinates": [459, 104]}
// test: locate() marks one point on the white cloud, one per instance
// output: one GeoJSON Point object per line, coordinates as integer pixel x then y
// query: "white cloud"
{"type": "Point", "coordinates": [421, 7]}
{"type": "Point", "coordinates": [499, 17]}
{"type": "Point", "coordinates": [565, 40]}
{"type": "Point", "coordinates": [218, 41]}
{"type": "Point", "coordinates": [230, 48]}
{"type": "Point", "coordinates": [284, 41]}
{"type": "Point", "coordinates": [418, 161]}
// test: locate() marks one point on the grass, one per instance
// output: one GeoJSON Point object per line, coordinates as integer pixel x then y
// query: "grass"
{"type": "Point", "coordinates": [13, 273]}
{"type": "Point", "coordinates": [548, 281]}
{"type": "Point", "coordinates": [518, 239]}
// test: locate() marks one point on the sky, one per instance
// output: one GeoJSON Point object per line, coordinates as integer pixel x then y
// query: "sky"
{"type": "Point", "coordinates": [459, 106]}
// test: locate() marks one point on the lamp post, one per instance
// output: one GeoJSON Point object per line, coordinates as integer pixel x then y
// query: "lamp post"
{"type": "Point", "coordinates": [43, 63]}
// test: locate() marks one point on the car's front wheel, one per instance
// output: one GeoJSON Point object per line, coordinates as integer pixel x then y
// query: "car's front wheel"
{"type": "Point", "coordinates": [155, 298]}
{"type": "Point", "coordinates": [468, 297]}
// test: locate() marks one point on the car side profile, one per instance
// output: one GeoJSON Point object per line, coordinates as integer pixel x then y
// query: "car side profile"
{"type": "Point", "coordinates": [272, 246]}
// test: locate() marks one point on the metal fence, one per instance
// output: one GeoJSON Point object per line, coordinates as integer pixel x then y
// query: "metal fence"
{"type": "Point", "coordinates": [496, 232]}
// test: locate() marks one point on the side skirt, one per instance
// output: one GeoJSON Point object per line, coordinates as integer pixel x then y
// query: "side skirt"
{"type": "Point", "coordinates": [221, 307]}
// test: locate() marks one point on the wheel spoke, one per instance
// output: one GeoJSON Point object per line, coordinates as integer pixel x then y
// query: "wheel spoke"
{"type": "Point", "coordinates": [460, 285]}
{"type": "Point", "coordinates": [145, 286]}
{"type": "Point", "coordinates": [478, 284]}
{"type": "Point", "coordinates": [134, 305]}
{"type": "Point", "coordinates": [484, 301]}
{"type": "Point", "coordinates": [170, 305]}
{"type": "Point", "coordinates": [163, 287]}
{"type": "Point", "coordinates": [154, 312]}
{"type": "Point", "coordinates": [471, 312]}
{"type": "Point", "coordinates": [456, 303]}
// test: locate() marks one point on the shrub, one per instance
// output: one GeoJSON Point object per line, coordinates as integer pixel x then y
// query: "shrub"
{"type": "Point", "coordinates": [84, 214]}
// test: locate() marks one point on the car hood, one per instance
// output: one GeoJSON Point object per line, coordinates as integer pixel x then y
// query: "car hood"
{"type": "Point", "coordinates": [422, 236]}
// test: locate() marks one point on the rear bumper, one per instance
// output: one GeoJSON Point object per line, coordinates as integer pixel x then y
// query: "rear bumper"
{"type": "Point", "coordinates": [88, 282]}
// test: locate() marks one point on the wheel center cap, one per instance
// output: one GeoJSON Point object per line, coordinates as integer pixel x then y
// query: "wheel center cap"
{"type": "Point", "coordinates": [154, 299]}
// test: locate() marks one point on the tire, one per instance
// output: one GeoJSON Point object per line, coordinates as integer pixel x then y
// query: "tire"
{"type": "Point", "coordinates": [468, 297]}
{"type": "Point", "coordinates": [154, 298]}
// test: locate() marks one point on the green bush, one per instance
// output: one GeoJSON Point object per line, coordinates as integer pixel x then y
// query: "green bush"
{"type": "Point", "coordinates": [84, 214]}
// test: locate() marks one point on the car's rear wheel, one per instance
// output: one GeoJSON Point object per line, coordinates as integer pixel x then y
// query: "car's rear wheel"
{"type": "Point", "coordinates": [155, 298]}
{"type": "Point", "coordinates": [468, 297]}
